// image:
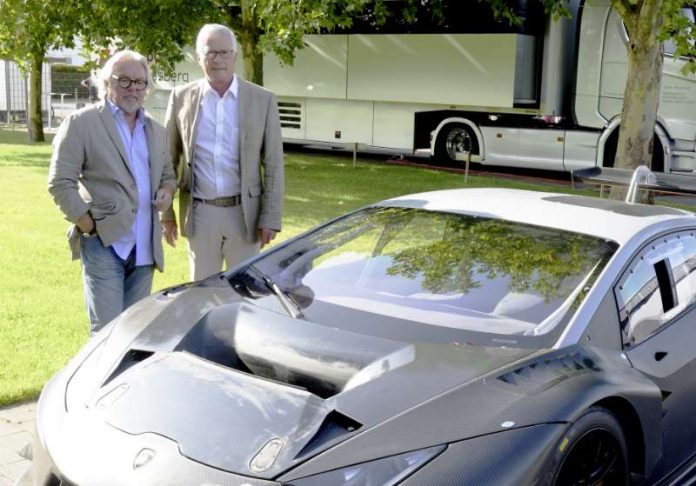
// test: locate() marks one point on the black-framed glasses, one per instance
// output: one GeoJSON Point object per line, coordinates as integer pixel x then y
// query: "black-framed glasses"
{"type": "Point", "coordinates": [224, 54]}
{"type": "Point", "coordinates": [125, 83]}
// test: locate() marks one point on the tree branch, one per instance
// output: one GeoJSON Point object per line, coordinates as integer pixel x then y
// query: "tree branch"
{"type": "Point", "coordinates": [626, 8]}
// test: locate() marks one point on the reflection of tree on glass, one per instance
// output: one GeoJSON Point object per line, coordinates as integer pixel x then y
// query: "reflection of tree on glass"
{"type": "Point", "coordinates": [472, 249]}
{"type": "Point", "coordinates": [443, 269]}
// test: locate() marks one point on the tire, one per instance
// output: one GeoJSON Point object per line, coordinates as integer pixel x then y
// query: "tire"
{"type": "Point", "coordinates": [593, 451]}
{"type": "Point", "coordinates": [657, 164]}
{"type": "Point", "coordinates": [453, 138]}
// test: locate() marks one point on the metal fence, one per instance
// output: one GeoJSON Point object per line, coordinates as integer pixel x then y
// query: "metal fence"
{"type": "Point", "coordinates": [62, 93]}
{"type": "Point", "coordinates": [68, 93]}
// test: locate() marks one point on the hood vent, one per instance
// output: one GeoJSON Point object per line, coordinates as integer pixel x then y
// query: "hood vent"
{"type": "Point", "coordinates": [132, 357]}
{"type": "Point", "coordinates": [549, 371]}
{"type": "Point", "coordinates": [335, 425]}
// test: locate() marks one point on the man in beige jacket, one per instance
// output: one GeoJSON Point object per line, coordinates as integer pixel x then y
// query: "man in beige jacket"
{"type": "Point", "coordinates": [226, 144]}
{"type": "Point", "coordinates": [110, 174]}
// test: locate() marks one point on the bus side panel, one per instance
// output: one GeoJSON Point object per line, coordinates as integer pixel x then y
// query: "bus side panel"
{"type": "Point", "coordinates": [395, 125]}
{"type": "Point", "coordinates": [339, 121]}
{"type": "Point", "coordinates": [502, 145]}
{"type": "Point", "coordinates": [319, 70]}
{"type": "Point", "coordinates": [541, 148]}
{"type": "Point", "coordinates": [453, 69]}
{"type": "Point", "coordinates": [678, 101]}
{"type": "Point", "coordinates": [580, 150]}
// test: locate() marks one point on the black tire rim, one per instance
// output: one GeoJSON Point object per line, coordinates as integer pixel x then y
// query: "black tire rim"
{"type": "Point", "coordinates": [595, 459]}
{"type": "Point", "coordinates": [458, 141]}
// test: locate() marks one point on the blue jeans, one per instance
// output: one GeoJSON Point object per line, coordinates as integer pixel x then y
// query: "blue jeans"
{"type": "Point", "coordinates": [111, 284]}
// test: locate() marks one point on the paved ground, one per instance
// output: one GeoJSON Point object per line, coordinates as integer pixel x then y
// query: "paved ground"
{"type": "Point", "coordinates": [16, 429]}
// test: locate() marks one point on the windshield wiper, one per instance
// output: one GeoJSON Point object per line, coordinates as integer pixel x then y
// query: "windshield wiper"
{"type": "Point", "coordinates": [288, 304]}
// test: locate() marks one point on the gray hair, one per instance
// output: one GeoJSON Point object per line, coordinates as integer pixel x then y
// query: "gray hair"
{"type": "Point", "coordinates": [108, 69]}
{"type": "Point", "coordinates": [209, 29]}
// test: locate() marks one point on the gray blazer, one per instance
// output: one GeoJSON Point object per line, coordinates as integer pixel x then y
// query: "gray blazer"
{"type": "Point", "coordinates": [261, 147]}
{"type": "Point", "coordinates": [89, 171]}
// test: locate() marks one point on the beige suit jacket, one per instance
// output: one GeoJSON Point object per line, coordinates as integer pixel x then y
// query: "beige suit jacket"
{"type": "Point", "coordinates": [260, 154]}
{"type": "Point", "coordinates": [89, 171]}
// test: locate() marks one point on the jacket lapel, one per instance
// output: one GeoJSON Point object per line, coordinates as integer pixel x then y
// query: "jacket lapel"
{"type": "Point", "coordinates": [152, 155]}
{"type": "Point", "coordinates": [194, 105]}
{"type": "Point", "coordinates": [243, 126]}
{"type": "Point", "coordinates": [107, 119]}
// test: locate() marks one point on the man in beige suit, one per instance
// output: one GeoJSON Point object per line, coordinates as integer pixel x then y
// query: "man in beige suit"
{"type": "Point", "coordinates": [226, 144]}
{"type": "Point", "coordinates": [110, 174]}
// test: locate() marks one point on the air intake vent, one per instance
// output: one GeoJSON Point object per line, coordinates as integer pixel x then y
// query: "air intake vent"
{"type": "Point", "coordinates": [334, 425]}
{"type": "Point", "coordinates": [549, 371]}
{"type": "Point", "coordinates": [290, 114]}
{"type": "Point", "coordinates": [132, 357]}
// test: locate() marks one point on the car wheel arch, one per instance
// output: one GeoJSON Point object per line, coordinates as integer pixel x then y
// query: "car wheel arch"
{"type": "Point", "coordinates": [636, 402]}
{"type": "Point", "coordinates": [564, 466]}
{"type": "Point", "coordinates": [632, 428]}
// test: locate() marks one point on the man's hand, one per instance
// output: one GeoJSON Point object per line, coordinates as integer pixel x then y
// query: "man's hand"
{"type": "Point", "coordinates": [170, 232]}
{"type": "Point", "coordinates": [86, 223]}
{"type": "Point", "coordinates": [266, 235]}
{"type": "Point", "coordinates": [163, 199]}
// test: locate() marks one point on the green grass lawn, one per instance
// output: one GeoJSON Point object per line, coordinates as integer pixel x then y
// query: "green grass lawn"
{"type": "Point", "coordinates": [42, 316]}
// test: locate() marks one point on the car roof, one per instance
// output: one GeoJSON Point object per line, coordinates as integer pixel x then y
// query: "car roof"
{"type": "Point", "coordinates": [604, 218]}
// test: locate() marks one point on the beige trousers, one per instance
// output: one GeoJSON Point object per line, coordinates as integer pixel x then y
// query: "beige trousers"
{"type": "Point", "coordinates": [218, 235]}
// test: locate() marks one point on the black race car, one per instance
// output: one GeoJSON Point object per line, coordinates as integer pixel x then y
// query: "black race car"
{"type": "Point", "coordinates": [465, 337]}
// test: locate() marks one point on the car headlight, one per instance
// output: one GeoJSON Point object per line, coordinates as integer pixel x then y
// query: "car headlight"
{"type": "Point", "coordinates": [382, 472]}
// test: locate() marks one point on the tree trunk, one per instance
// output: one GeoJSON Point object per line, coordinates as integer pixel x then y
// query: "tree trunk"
{"type": "Point", "coordinates": [642, 92]}
{"type": "Point", "coordinates": [249, 39]}
{"type": "Point", "coordinates": [34, 120]}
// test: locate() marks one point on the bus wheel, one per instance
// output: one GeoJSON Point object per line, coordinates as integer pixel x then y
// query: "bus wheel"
{"type": "Point", "coordinates": [657, 164]}
{"type": "Point", "coordinates": [453, 139]}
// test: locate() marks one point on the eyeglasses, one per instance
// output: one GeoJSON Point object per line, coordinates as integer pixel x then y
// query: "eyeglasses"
{"type": "Point", "coordinates": [224, 54]}
{"type": "Point", "coordinates": [126, 83]}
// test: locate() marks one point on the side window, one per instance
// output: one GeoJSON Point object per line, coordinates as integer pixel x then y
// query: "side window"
{"type": "Point", "coordinates": [683, 263]}
{"type": "Point", "coordinates": [659, 283]}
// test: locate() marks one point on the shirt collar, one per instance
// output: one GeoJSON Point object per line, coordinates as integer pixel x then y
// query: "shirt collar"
{"type": "Point", "coordinates": [233, 88]}
{"type": "Point", "coordinates": [116, 111]}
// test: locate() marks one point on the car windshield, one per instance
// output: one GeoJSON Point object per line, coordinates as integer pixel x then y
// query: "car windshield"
{"type": "Point", "coordinates": [434, 268]}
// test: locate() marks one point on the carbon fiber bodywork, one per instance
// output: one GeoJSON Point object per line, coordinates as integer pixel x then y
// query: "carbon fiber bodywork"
{"type": "Point", "coordinates": [138, 405]}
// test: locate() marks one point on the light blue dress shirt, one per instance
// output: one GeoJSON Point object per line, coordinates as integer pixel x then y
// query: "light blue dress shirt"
{"type": "Point", "coordinates": [135, 144]}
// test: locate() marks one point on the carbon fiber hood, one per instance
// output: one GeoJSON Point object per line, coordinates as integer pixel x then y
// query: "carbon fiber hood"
{"type": "Point", "coordinates": [256, 392]}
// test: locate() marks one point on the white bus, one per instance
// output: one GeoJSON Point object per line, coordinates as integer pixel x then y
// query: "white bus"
{"type": "Point", "coordinates": [543, 94]}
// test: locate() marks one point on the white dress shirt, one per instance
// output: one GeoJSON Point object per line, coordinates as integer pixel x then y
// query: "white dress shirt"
{"type": "Point", "coordinates": [216, 149]}
{"type": "Point", "coordinates": [135, 144]}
